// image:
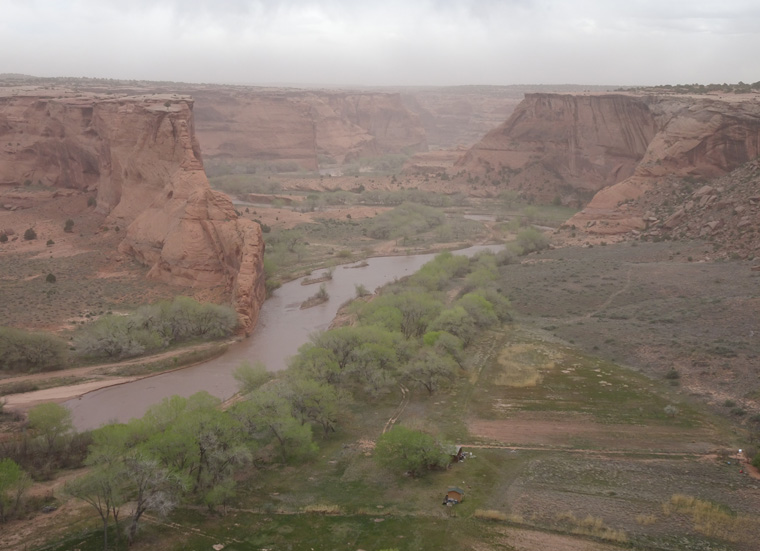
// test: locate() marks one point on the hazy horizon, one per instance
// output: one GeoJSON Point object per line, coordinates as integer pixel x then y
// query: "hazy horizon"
{"type": "Point", "coordinates": [339, 43]}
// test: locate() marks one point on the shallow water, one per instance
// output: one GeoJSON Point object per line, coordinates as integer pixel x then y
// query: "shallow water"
{"type": "Point", "coordinates": [282, 328]}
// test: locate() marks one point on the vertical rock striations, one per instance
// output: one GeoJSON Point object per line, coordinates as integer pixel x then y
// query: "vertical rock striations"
{"type": "Point", "coordinates": [605, 150]}
{"type": "Point", "coordinates": [141, 156]}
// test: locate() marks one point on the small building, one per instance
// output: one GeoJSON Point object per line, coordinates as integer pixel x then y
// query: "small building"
{"type": "Point", "coordinates": [454, 495]}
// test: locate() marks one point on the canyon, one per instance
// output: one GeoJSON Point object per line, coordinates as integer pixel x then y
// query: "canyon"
{"type": "Point", "coordinates": [605, 152]}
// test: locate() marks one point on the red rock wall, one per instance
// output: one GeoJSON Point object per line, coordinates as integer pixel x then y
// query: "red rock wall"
{"type": "Point", "coordinates": [302, 126]}
{"type": "Point", "coordinates": [141, 156]}
{"type": "Point", "coordinates": [564, 144]}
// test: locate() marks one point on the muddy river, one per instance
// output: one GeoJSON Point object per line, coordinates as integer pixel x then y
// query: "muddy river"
{"type": "Point", "coordinates": [283, 327]}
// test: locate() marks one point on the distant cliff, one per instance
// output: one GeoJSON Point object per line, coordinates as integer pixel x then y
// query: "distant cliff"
{"type": "Point", "coordinates": [141, 157]}
{"type": "Point", "coordinates": [605, 150]}
{"type": "Point", "coordinates": [303, 127]}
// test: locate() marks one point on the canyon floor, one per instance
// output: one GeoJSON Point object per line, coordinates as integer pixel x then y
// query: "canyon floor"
{"type": "Point", "coordinates": [563, 411]}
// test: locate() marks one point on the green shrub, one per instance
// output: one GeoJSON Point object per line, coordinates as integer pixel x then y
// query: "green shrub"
{"type": "Point", "coordinates": [155, 326]}
{"type": "Point", "coordinates": [50, 242]}
{"type": "Point", "coordinates": [91, 201]}
{"type": "Point", "coordinates": [30, 234]}
{"type": "Point", "coordinates": [68, 226]}
{"type": "Point", "coordinates": [50, 278]}
{"type": "Point", "coordinates": [409, 451]}
{"type": "Point", "coordinates": [3, 238]}
{"type": "Point", "coordinates": [25, 351]}
{"type": "Point", "coordinates": [530, 240]}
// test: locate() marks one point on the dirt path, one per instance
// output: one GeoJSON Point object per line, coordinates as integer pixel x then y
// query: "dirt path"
{"type": "Point", "coordinates": [405, 397]}
{"type": "Point", "coordinates": [602, 306]}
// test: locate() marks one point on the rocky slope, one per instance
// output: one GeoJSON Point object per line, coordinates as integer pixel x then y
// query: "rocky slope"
{"type": "Point", "coordinates": [608, 150]}
{"type": "Point", "coordinates": [140, 159]}
{"type": "Point", "coordinates": [725, 212]}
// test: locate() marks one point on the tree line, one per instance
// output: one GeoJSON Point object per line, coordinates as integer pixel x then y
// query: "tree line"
{"type": "Point", "coordinates": [189, 450]}
{"type": "Point", "coordinates": [147, 329]}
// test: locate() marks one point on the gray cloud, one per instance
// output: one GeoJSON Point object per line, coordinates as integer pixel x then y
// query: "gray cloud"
{"type": "Point", "coordinates": [345, 42]}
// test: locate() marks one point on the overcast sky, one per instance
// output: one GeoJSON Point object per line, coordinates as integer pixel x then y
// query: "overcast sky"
{"type": "Point", "coordinates": [386, 42]}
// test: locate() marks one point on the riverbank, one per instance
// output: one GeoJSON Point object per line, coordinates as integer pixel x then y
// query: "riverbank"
{"type": "Point", "coordinates": [96, 377]}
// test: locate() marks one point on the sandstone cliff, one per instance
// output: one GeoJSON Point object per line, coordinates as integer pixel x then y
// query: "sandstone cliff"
{"type": "Point", "coordinates": [140, 158]}
{"type": "Point", "coordinates": [561, 144]}
{"type": "Point", "coordinates": [303, 128]}
{"type": "Point", "coordinates": [606, 150]}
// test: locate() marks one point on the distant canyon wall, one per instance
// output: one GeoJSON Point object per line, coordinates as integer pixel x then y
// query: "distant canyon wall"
{"type": "Point", "coordinates": [302, 127]}
{"type": "Point", "coordinates": [602, 150]}
{"type": "Point", "coordinates": [141, 157]}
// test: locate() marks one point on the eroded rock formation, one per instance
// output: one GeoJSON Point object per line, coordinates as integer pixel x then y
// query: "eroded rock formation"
{"type": "Point", "coordinates": [609, 149]}
{"type": "Point", "coordinates": [305, 128]}
{"type": "Point", "coordinates": [140, 157]}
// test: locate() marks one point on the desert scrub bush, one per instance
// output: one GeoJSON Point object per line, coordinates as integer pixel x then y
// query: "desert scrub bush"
{"type": "Point", "coordinates": [3, 237]}
{"type": "Point", "coordinates": [405, 220]}
{"type": "Point", "coordinates": [25, 351]}
{"type": "Point", "coordinates": [322, 509]}
{"type": "Point", "coordinates": [710, 519]}
{"type": "Point", "coordinates": [155, 326]}
{"type": "Point", "coordinates": [591, 526]}
{"type": "Point", "coordinates": [30, 234]}
{"type": "Point", "coordinates": [68, 226]}
{"type": "Point", "coordinates": [530, 240]}
{"type": "Point", "coordinates": [645, 520]}
{"type": "Point", "coordinates": [497, 516]}
{"type": "Point", "coordinates": [50, 278]}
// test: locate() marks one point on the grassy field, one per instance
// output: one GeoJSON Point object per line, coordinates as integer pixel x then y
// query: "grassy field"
{"type": "Point", "coordinates": [568, 451]}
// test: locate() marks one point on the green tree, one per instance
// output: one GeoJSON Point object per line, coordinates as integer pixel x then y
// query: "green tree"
{"type": "Point", "coordinates": [52, 422]}
{"type": "Point", "coordinates": [102, 487]}
{"type": "Point", "coordinates": [315, 401]}
{"type": "Point", "coordinates": [417, 311]}
{"type": "Point", "coordinates": [446, 343]}
{"type": "Point", "coordinates": [316, 362]}
{"type": "Point", "coordinates": [22, 351]}
{"type": "Point", "coordinates": [431, 368]}
{"type": "Point", "coordinates": [530, 240]}
{"type": "Point", "coordinates": [268, 418]}
{"type": "Point", "coordinates": [479, 309]}
{"type": "Point", "coordinates": [151, 488]}
{"type": "Point", "coordinates": [250, 377]}
{"type": "Point", "coordinates": [410, 451]}
{"type": "Point", "coordinates": [372, 365]}
{"type": "Point", "coordinates": [456, 321]}
{"type": "Point", "coordinates": [13, 483]}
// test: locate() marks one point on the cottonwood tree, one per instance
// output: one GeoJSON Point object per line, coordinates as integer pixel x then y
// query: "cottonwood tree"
{"type": "Point", "coordinates": [410, 451]}
{"type": "Point", "coordinates": [51, 422]}
{"type": "Point", "coordinates": [13, 483]}
{"type": "Point", "coordinates": [250, 377]}
{"type": "Point", "coordinates": [446, 343]}
{"type": "Point", "coordinates": [373, 365]}
{"type": "Point", "coordinates": [104, 487]}
{"type": "Point", "coordinates": [316, 362]}
{"type": "Point", "coordinates": [430, 368]}
{"type": "Point", "coordinates": [152, 487]}
{"type": "Point", "coordinates": [198, 439]}
{"type": "Point", "coordinates": [481, 311]}
{"type": "Point", "coordinates": [456, 321]}
{"type": "Point", "coordinates": [314, 401]}
{"type": "Point", "coordinates": [267, 417]}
